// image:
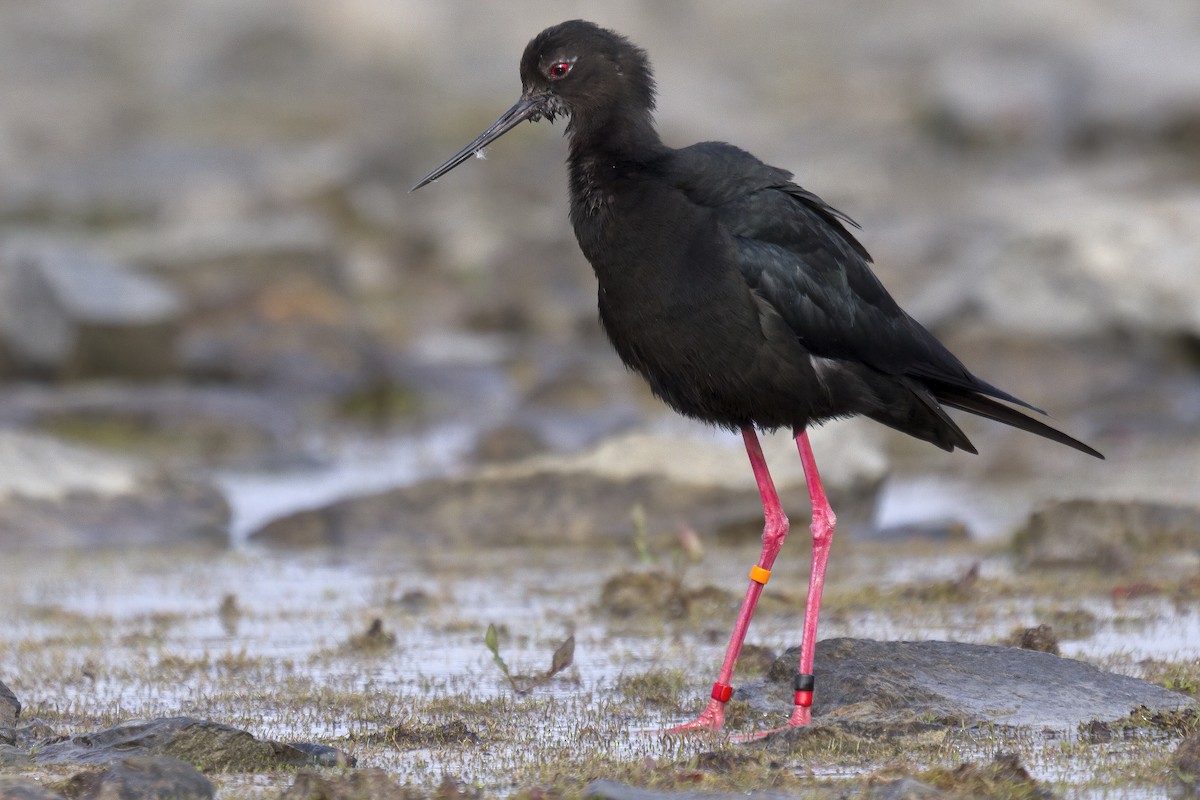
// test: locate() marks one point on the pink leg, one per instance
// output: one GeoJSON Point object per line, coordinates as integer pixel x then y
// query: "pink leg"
{"type": "Point", "coordinates": [823, 521]}
{"type": "Point", "coordinates": [822, 533]}
{"type": "Point", "coordinates": [774, 532]}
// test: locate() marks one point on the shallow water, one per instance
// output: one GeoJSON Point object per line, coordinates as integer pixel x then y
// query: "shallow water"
{"type": "Point", "coordinates": [302, 607]}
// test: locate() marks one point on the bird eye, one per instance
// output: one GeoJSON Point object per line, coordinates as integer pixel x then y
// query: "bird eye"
{"type": "Point", "coordinates": [559, 69]}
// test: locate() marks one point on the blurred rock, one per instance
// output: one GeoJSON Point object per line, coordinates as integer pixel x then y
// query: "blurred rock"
{"type": "Point", "coordinates": [10, 707]}
{"type": "Point", "coordinates": [152, 179]}
{"type": "Point", "coordinates": [1040, 638]}
{"type": "Point", "coordinates": [508, 442]}
{"type": "Point", "coordinates": [266, 301]}
{"type": "Point", "coordinates": [209, 746]}
{"type": "Point", "coordinates": [364, 784]}
{"type": "Point", "coordinates": [1014, 96]}
{"type": "Point", "coordinates": [1106, 535]}
{"type": "Point", "coordinates": [191, 251]}
{"type": "Point", "coordinates": [71, 312]}
{"type": "Point", "coordinates": [1118, 82]}
{"type": "Point", "coordinates": [603, 789]}
{"type": "Point", "coordinates": [176, 425]}
{"type": "Point", "coordinates": [54, 495]}
{"type": "Point", "coordinates": [1081, 261]}
{"type": "Point", "coordinates": [13, 787]}
{"type": "Point", "coordinates": [1185, 762]}
{"type": "Point", "coordinates": [591, 495]}
{"type": "Point", "coordinates": [1144, 84]}
{"type": "Point", "coordinates": [142, 777]}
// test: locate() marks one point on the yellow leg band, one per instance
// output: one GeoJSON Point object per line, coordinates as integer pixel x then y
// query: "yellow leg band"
{"type": "Point", "coordinates": [760, 575]}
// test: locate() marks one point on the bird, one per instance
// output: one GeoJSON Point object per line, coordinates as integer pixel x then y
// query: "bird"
{"type": "Point", "coordinates": [742, 298]}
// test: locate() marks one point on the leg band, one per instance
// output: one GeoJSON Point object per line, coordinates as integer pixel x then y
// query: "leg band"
{"type": "Point", "coordinates": [803, 684]}
{"type": "Point", "coordinates": [760, 575]}
{"type": "Point", "coordinates": [721, 692]}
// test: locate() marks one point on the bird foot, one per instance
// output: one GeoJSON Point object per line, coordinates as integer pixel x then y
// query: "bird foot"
{"type": "Point", "coordinates": [710, 719]}
{"type": "Point", "coordinates": [801, 715]}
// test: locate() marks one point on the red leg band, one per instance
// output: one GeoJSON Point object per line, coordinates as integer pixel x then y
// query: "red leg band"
{"type": "Point", "coordinates": [722, 692]}
{"type": "Point", "coordinates": [804, 699]}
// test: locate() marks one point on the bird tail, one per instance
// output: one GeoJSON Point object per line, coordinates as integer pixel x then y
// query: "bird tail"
{"type": "Point", "coordinates": [988, 408]}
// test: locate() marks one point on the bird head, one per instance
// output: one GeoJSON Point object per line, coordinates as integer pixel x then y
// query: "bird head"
{"type": "Point", "coordinates": [575, 69]}
{"type": "Point", "coordinates": [583, 71]}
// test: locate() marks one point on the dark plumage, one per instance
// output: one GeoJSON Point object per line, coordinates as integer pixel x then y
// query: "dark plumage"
{"type": "Point", "coordinates": [742, 298]}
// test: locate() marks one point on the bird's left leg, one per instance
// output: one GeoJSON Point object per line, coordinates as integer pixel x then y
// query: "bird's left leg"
{"type": "Point", "coordinates": [823, 521]}
{"type": "Point", "coordinates": [775, 531]}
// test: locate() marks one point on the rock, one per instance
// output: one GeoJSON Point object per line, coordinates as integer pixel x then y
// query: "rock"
{"type": "Point", "coordinates": [12, 757]}
{"type": "Point", "coordinates": [1064, 270]}
{"type": "Point", "coordinates": [414, 735]}
{"type": "Point", "coordinates": [10, 708]}
{"type": "Point", "coordinates": [143, 778]}
{"type": "Point", "coordinates": [906, 788]}
{"type": "Point", "coordinates": [365, 784]}
{"type": "Point", "coordinates": [611, 790]}
{"type": "Point", "coordinates": [1141, 83]}
{"type": "Point", "coordinates": [877, 685]}
{"type": "Point", "coordinates": [209, 746]}
{"type": "Point", "coordinates": [15, 788]}
{"type": "Point", "coordinates": [590, 495]}
{"type": "Point", "coordinates": [32, 732]}
{"type": "Point", "coordinates": [1005, 776]}
{"type": "Point", "coordinates": [266, 300]}
{"type": "Point", "coordinates": [1040, 638]}
{"type": "Point", "coordinates": [1005, 96]}
{"type": "Point", "coordinates": [55, 495]}
{"type": "Point", "coordinates": [178, 426]}
{"type": "Point", "coordinates": [1104, 534]}
{"type": "Point", "coordinates": [1185, 763]}
{"type": "Point", "coordinates": [508, 442]}
{"type": "Point", "coordinates": [1120, 81]}
{"type": "Point", "coordinates": [71, 312]}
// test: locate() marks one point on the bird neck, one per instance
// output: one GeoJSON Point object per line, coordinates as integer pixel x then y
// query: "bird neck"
{"type": "Point", "coordinates": [620, 133]}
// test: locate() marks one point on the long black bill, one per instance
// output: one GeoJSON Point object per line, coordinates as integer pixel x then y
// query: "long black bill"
{"type": "Point", "coordinates": [526, 108]}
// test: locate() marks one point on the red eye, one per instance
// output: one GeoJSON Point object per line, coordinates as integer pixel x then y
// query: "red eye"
{"type": "Point", "coordinates": [560, 69]}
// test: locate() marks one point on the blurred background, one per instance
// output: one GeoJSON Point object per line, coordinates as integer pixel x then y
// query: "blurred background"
{"type": "Point", "coordinates": [218, 298]}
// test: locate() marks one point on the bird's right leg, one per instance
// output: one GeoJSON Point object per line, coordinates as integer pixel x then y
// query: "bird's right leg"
{"type": "Point", "coordinates": [775, 531]}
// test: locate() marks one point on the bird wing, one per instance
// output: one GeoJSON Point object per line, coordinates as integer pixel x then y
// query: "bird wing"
{"type": "Point", "coordinates": [795, 251]}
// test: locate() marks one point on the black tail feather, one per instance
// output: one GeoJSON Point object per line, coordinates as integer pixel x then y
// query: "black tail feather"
{"type": "Point", "coordinates": [994, 410]}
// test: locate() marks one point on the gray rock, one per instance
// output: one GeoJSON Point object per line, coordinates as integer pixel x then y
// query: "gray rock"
{"type": "Point", "coordinates": [1005, 96]}
{"type": "Point", "coordinates": [266, 299]}
{"type": "Point", "coordinates": [10, 710]}
{"type": "Point", "coordinates": [299, 241]}
{"type": "Point", "coordinates": [143, 778]}
{"type": "Point", "coordinates": [16, 788]}
{"type": "Point", "coordinates": [1142, 81]}
{"type": "Point", "coordinates": [70, 311]}
{"type": "Point", "coordinates": [1185, 762]}
{"type": "Point", "coordinates": [31, 733]}
{"type": "Point", "coordinates": [10, 707]}
{"type": "Point", "coordinates": [1003, 776]}
{"type": "Point", "coordinates": [589, 495]}
{"type": "Point", "coordinates": [366, 784]}
{"type": "Point", "coordinates": [180, 425]}
{"type": "Point", "coordinates": [877, 685]}
{"type": "Point", "coordinates": [1104, 534]}
{"type": "Point", "coordinates": [612, 790]}
{"type": "Point", "coordinates": [907, 788]}
{"type": "Point", "coordinates": [12, 757]}
{"type": "Point", "coordinates": [54, 494]}
{"type": "Point", "coordinates": [1064, 269]}
{"type": "Point", "coordinates": [209, 746]}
